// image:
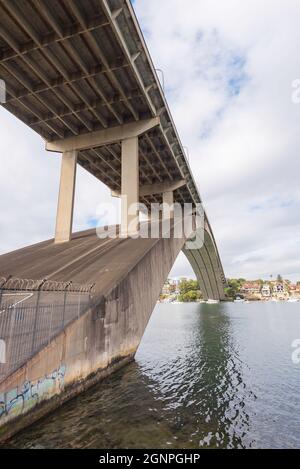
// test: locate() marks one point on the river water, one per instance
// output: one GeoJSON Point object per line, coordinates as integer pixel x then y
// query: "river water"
{"type": "Point", "coordinates": [205, 376]}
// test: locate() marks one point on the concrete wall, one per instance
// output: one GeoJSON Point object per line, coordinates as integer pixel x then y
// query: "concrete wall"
{"type": "Point", "coordinates": [103, 339]}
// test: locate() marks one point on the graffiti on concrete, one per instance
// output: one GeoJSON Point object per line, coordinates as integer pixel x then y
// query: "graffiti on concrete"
{"type": "Point", "coordinates": [19, 400]}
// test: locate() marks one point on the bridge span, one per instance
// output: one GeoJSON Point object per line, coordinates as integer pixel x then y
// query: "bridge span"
{"type": "Point", "coordinates": [78, 72]}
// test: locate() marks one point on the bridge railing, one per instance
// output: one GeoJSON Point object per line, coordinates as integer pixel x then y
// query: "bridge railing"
{"type": "Point", "coordinates": [21, 284]}
{"type": "Point", "coordinates": [32, 313]}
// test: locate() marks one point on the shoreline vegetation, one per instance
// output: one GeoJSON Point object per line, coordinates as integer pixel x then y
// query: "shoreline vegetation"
{"type": "Point", "coordinates": [181, 291]}
{"type": "Point", "coordinates": [185, 290]}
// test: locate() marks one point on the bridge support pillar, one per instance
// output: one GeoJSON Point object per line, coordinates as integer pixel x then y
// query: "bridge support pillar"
{"type": "Point", "coordinates": [65, 208]}
{"type": "Point", "coordinates": [168, 205]}
{"type": "Point", "coordinates": [130, 187]}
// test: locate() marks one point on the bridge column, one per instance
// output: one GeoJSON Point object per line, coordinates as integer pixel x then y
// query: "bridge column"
{"type": "Point", "coordinates": [130, 187]}
{"type": "Point", "coordinates": [65, 208]}
{"type": "Point", "coordinates": [168, 205]}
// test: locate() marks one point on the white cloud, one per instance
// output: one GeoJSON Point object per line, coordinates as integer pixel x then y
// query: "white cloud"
{"type": "Point", "coordinates": [29, 182]}
{"type": "Point", "coordinates": [228, 68]}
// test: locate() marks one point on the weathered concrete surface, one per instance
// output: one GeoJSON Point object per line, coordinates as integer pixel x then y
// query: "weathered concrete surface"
{"type": "Point", "coordinates": [106, 334]}
{"type": "Point", "coordinates": [65, 207]}
{"type": "Point", "coordinates": [207, 267]}
{"type": "Point", "coordinates": [130, 187]}
{"type": "Point", "coordinates": [129, 275]}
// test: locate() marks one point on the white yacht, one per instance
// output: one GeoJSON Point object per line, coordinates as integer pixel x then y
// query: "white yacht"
{"type": "Point", "coordinates": [293, 300]}
{"type": "Point", "coordinates": [212, 302]}
{"type": "Point", "coordinates": [239, 300]}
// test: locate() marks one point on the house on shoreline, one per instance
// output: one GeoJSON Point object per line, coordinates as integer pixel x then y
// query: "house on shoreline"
{"type": "Point", "coordinates": [280, 290]}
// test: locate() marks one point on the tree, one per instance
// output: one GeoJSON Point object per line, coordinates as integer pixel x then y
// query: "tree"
{"type": "Point", "coordinates": [230, 292]}
{"type": "Point", "coordinates": [233, 283]}
{"type": "Point", "coordinates": [189, 291]}
{"type": "Point", "coordinates": [190, 296]}
{"type": "Point", "coordinates": [242, 281]}
{"type": "Point", "coordinates": [188, 285]}
{"type": "Point", "coordinates": [279, 278]}
{"type": "Point", "coordinates": [234, 287]}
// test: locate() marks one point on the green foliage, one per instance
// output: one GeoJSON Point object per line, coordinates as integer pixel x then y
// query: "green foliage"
{"type": "Point", "coordinates": [186, 286]}
{"type": "Point", "coordinates": [189, 291]}
{"type": "Point", "coordinates": [190, 296]}
{"type": "Point", "coordinates": [242, 281]}
{"type": "Point", "coordinates": [163, 297]}
{"type": "Point", "coordinates": [235, 283]}
{"type": "Point", "coordinates": [230, 292]}
{"type": "Point", "coordinates": [234, 286]}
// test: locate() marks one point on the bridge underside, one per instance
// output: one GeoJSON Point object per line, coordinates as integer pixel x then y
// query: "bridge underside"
{"type": "Point", "coordinates": [207, 268]}
{"type": "Point", "coordinates": [128, 275]}
{"type": "Point", "coordinates": [73, 68]}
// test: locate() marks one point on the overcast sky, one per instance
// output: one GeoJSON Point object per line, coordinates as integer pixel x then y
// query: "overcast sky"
{"type": "Point", "coordinates": [228, 70]}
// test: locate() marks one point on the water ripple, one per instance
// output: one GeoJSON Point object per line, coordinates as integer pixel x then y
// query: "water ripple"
{"type": "Point", "coordinates": [208, 377]}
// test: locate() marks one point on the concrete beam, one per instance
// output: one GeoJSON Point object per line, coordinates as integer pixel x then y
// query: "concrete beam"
{"type": "Point", "coordinates": [131, 59]}
{"type": "Point", "coordinates": [161, 188]}
{"type": "Point", "coordinates": [103, 137]}
{"type": "Point", "coordinates": [65, 208]}
{"type": "Point", "coordinates": [154, 189]}
{"type": "Point", "coordinates": [130, 187]}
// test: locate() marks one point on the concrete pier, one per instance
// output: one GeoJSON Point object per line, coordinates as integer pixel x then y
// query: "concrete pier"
{"type": "Point", "coordinates": [130, 187]}
{"type": "Point", "coordinates": [65, 209]}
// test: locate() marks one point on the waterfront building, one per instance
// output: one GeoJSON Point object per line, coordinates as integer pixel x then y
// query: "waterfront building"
{"type": "Point", "coordinates": [250, 288]}
{"type": "Point", "coordinates": [266, 291]}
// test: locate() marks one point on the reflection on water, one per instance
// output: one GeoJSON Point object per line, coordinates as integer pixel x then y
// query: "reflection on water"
{"type": "Point", "coordinates": [205, 376]}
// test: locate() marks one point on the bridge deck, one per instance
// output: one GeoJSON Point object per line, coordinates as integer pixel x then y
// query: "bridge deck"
{"type": "Point", "coordinates": [30, 319]}
{"type": "Point", "coordinates": [86, 259]}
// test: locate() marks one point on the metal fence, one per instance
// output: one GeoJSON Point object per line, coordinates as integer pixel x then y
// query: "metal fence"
{"type": "Point", "coordinates": [32, 313]}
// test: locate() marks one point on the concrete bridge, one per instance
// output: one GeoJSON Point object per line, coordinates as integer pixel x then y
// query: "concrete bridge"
{"type": "Point", "coordinates": [80, 75]}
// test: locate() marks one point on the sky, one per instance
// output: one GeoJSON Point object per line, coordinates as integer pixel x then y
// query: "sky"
{"type": "Point", "coordinates": [228, 70]}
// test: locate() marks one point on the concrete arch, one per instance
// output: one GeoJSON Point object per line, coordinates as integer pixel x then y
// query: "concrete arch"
{"type": "Point", "coordinates": [207, 267]}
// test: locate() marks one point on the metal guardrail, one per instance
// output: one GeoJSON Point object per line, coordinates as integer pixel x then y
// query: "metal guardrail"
{"type": "Point", "coordinates": [20, 284]}
{"type": "Point", "coordinates": [32, 313]}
